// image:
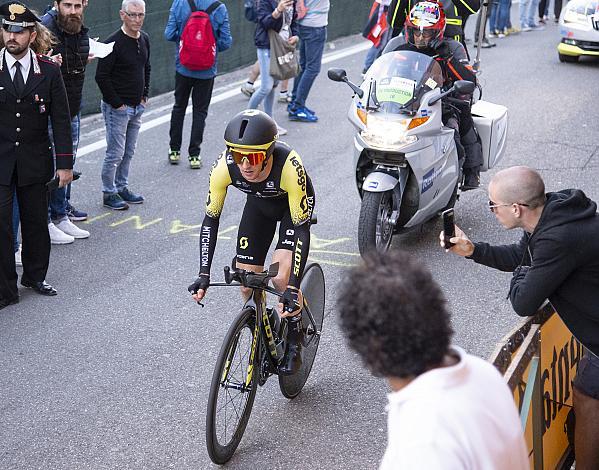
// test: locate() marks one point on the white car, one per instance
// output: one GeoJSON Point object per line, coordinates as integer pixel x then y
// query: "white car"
{"type": "Point", "coordinates": [579, 28]}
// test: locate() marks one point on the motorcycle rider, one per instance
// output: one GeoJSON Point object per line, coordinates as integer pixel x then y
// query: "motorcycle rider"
{"type": "Point", "coordinates": [424, 28]}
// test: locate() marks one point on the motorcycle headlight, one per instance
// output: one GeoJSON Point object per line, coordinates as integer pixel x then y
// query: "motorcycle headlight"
{"type": "Point", "coordinates": [387, 132]}
{"type": "Point", "coordinates": [573, 16]}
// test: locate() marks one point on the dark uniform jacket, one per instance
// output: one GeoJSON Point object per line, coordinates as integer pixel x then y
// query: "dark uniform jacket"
{"type": "Point", "coordinates": [24, 140]}
{"type": "Point", "coordinates": [455, 12]}
{"type": "Point", "coordinates": [74, 49]}
{"type": "Point", "coordinates": [558, 261]}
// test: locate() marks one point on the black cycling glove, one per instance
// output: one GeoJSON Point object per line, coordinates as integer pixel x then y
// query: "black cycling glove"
{"type": "Point", "coordinates": [202, 282]}
{"type": "Point", "coordinates": [290, 300]}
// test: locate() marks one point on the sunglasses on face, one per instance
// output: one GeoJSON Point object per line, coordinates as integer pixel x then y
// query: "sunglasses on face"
{"type": "Point", "coordinates": [493, 206]}
{"type": "Point", "coordinates": [253, 157]}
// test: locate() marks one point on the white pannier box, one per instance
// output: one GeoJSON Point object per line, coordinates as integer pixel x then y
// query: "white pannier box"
{"type": "Point", "coordinates": [491, 123]}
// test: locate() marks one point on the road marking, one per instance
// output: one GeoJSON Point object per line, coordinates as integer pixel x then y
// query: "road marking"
{"type": "Point", "coordinates": [177, 227]}
{"type": "Point", "coordinates": [222, 94]}
{"type": "Point", "coordinates": [136, 219]}
{"type": "Point", "coordinates": [98, 217]}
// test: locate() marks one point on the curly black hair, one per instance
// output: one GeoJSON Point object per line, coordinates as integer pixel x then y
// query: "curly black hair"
{"type": "Point", "coordinates": [394, 315]}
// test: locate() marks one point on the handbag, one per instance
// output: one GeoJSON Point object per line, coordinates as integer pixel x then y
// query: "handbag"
{"type": "Point", "coordinates": [283, 57]}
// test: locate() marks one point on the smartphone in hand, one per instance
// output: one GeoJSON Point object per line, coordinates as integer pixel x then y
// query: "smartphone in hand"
{"type": "Point", "coordinates": [448, 227]}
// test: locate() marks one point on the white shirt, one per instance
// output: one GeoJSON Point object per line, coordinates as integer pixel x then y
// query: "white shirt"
{"type": "Point", "coordinates": [25, 62]}
{"type": "Point", "coordinates": [458, 417]}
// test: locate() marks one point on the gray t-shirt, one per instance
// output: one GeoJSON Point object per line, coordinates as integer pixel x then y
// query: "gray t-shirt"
{"type": "Point", "coordinates": [318, 13]}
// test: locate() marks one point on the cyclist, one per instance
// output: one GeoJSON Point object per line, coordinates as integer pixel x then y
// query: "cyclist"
{"type": "Point", "coordinates": [278, 190]}
{"type": "Point", "coordinates": [424, 32]}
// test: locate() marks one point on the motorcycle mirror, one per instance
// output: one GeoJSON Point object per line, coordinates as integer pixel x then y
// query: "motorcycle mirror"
{"type": "Point", "coordinates": [464, 87]}
{"type": "Point", "coordinates": [337, 75]}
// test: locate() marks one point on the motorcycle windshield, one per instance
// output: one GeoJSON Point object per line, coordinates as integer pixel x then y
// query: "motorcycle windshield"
{"type": "Point", "coordinates": [400, 79]}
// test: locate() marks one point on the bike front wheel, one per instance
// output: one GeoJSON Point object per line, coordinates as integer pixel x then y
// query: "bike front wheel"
{"type": "Point", "coordinates": [233, 388]}
{"type": "Point", "coordinates": [313, 289]}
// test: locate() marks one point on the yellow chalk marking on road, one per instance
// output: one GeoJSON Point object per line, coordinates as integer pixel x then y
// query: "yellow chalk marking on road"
{"type": "Point", "coordinates": [98, 217]}
{"type": "Point", "coordinates": [221, 233]}
{"type": "Point", "coordinates": [332, 252]}
{"type": "Point", "coordinates": [177, 227]}
{"type": "Point", "coordinates": [317, 243]}
{"type": "Point", "coordinates": [332, 263]}
{"type": "Point", "coordinates": [137, 222]}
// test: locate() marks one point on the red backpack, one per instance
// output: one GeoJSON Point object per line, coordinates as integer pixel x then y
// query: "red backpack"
{"type": "Point", "coordinates": [197, 47]}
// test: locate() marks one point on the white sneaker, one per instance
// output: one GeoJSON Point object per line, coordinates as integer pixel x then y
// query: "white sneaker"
{"type": "Point", "coordinates": [247, 89]}
{"type": "Point", "coordinates": [58, 237]}
{"type": "Point", "coordinates": [71, 229]}
{"type": "Point", "coordinates": [18, 260]}
{"type": "Point", "coordinates": [281, 130]}
{"type": "Point", "coordinates": [283, 97]}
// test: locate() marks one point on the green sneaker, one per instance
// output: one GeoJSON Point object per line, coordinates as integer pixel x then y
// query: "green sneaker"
{"type": "Point", "coordinates": [195, 162]}
{"type": "Point", "coordinates": [174, 156]}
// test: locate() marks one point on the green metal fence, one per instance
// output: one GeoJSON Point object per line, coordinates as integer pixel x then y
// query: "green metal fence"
{"type": "Point", "coordinates": [102, 17]}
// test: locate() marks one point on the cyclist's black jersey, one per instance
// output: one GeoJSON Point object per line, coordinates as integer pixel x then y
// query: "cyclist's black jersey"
{"type": "Point", "coordinates": [287, 181]}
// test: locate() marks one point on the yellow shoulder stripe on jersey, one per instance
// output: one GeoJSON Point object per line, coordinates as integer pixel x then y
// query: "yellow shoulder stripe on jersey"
{"type": "Point", "coordinates": [220, 179]}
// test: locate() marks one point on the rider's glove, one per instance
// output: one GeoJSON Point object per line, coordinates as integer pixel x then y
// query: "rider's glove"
{"type": "Point", "coordinates": [202, 282]}
{"type": "Point", "coordinates": [441, 47]}
{"type": "Point", "coordinates": [290, 300]}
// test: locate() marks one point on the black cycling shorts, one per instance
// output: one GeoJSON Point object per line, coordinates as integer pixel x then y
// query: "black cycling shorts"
{"type": "Point", "coordinates": [257, 229]}
{"type": "Point", "coordinates": [587, 377]}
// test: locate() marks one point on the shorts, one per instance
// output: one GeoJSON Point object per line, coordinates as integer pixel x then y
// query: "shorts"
{"type": "Point", "coordinates": [257, 229]}
{"type": "Point", "coordinates": [587, 378]}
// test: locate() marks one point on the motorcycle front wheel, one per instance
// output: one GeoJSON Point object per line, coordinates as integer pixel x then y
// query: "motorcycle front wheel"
{"type": "Point", "coordinates": [375, 230]}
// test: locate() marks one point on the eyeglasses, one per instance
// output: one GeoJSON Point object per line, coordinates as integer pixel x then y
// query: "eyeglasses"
{"type": "Point", "coordinates": [253, 157]}
{"type": "Point", "coordinates": [493, 206]}
{"type": "Point", "coordinates": [135, 16]}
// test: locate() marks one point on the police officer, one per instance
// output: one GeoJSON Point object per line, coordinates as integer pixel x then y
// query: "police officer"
{"type": "Point", "coordinates": [455, 13]}
{"type": "Point", "coordinates": [31, 92]}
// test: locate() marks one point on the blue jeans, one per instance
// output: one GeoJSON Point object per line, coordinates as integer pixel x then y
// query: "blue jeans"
{"type": "Point", "coordinates": [503, 15]}
{"type": "Point", "coordinates": [266, 92]}
{"type": "Point", "coordinates": [374, 51]}
{"type": "Point", "coordinates": [122, 129]}
{"type": "Point", "coordinates": [15, 222]}
{"type": "Point", "coordinates": [533, 13]}
{"type": "Point", "coordinates": [59, 198]}
{"type": "Point", "coordinates": [312, 42]}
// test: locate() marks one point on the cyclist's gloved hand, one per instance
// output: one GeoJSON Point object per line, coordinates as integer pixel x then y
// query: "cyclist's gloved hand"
{"type": "Point", "coordinates": [441, 47]}
{"type": "Point", "coordinates": [290, 301]}
{"type": "Point", "coordinates": [199, 287]}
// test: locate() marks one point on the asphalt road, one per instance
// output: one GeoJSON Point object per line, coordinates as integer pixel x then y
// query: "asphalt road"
{"type": "Point", "coordinates": [114, 371]}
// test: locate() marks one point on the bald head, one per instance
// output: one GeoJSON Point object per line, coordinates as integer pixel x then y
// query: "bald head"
{"type": "Point", "coordinates": [519, 184]}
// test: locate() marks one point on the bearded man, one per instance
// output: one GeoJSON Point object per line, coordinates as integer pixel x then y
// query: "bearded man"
{"type": "Point", "coordinates": [65, 21]}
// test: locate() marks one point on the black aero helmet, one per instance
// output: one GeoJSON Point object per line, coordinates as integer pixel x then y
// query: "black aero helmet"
{"type": "Point", "coordinates": [251, 129]}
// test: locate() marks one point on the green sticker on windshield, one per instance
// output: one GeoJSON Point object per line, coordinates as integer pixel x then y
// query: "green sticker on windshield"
{"type": "Point", "coordinates": [395, 89]}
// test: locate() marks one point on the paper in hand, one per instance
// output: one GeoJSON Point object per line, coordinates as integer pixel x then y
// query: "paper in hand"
{"type": "Point", "coordinates": [99, 49]}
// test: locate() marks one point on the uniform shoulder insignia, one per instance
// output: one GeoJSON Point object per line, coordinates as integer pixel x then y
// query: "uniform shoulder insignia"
{"type": "Point", "coordinates": [47, 60]}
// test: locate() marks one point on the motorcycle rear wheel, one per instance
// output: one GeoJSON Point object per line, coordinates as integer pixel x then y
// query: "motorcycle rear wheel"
{"type": "Point", "coordinates": [375, 230]}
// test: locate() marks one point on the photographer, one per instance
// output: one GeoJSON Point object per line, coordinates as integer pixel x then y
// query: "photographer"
{"type": "Point", "coordinates": [557, 258]}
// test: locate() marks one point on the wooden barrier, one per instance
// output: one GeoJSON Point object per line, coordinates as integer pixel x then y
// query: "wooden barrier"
{"type": "Point", "coordinates": [539, 360]}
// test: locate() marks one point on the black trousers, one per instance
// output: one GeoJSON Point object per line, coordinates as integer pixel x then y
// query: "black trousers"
{"type": "Point", "coordinates": [466, 137]}
{"type": "Point", "coordinates": [557, 8]}
{"type": "Point", "coordinates": [201, 93]}
{"type": "Point", "coordinates": [33, 208]}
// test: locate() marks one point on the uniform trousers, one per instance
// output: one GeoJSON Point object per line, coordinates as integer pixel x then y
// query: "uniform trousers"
{"type": "Point", "coordinates": [33, 207]}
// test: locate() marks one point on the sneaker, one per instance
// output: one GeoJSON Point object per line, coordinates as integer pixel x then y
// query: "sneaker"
{"type": "Point", "coordinates": [487, 44]}
{"type": "Point", "coordinates": [247, 89]}
{"type": "Point", "coordinates": [174, 156]}
{"type": "Point", "coordinates": [58, 237]}
{"type": "Point", "coordinates": [283, 97]}
{"type": "Point", "coordinates": [492, 35]}
{"type": "Point", "coordinates": [195, 162]}
{"type": "Point", "coordinates": [130, 197]}
{"type": "Point", "coordinates": [302, 114]}
{"type": "Point", "coordinates": [471, 179]}
{"type": "Point", "coordinates": [513, 30]}
{"type": "Point", "coordinates": [74, 214]}
{"type": "Point", "coordinates": [538, 27]}
{"type": "Point", "coordinates": [18, 260]}
{"type": "Point", "coordinates": [281, 130]}
{"type": "Point", "coordinates": [115, 202]}
{"type": "Point", "coordinates": [542, 20]}
{"type": "Point", "coordinates": [500, 35]}
{"type": "Point", "coordinates": [525, 29]}
{"type": "Point", "coordinates": [71, 229]}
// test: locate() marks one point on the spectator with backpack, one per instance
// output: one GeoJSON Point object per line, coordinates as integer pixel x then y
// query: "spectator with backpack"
{"type": "Point", "coordinates": [201, 30]}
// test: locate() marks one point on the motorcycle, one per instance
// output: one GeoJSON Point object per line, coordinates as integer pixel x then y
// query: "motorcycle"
{"type": "Point", "coordinates": [406, 160]}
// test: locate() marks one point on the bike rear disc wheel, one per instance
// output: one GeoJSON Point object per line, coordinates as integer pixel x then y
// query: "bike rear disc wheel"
{"type": "Point", "coordinates": [231, 399]}
{"type": "Point", "coordinates": [313, 289]}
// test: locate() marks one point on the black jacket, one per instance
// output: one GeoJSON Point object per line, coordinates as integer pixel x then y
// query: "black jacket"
{"type": "Point", "coordinates": [560, 262]}
{"type": "Point", "coordinates": [265, 21]}
{"type": "Point", "coordinates": [24, 140]}
{"type": "Point", "coordinates": [74, 49]}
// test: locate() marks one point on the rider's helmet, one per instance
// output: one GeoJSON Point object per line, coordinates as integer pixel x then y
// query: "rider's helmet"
{"type": "Point", "coordinates": [251, 135]}
{"type": "Point", "coordinates": [425, 23]}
